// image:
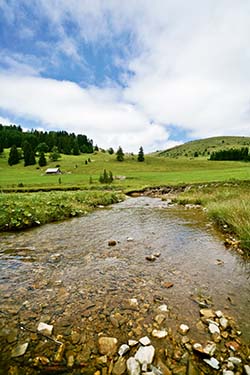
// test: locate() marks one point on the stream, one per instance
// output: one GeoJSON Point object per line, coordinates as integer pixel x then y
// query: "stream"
{"type": "Point", "coordinates": [69, 276]}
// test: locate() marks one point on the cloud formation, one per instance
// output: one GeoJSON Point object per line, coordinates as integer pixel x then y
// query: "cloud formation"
{"type": "Point", "coordinates": [171, 63]}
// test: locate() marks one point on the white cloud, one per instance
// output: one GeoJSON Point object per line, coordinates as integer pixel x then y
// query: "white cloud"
{"type": "Point", "coordinates": [190, 63]}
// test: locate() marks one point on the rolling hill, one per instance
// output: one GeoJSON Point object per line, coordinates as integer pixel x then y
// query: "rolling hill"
{"type": "Point", "coordinates": [204, 147]}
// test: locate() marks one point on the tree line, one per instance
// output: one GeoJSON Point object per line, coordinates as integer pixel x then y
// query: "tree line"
{"type": "Point", "coordinates": [66, 143]}
{"type": "Point", "coordinates": [241, 154]}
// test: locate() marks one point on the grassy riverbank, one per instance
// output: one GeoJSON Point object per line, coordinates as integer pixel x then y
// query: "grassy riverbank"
{"type": "Point", "coordinates": [25, 210]}
{"type": "Point", "coordinates": [227, 204]}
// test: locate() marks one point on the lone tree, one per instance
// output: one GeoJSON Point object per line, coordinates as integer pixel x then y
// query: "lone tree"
{"type": "Point", "coordinates": [119, 154]}
{"type": "Point", "coordinates": [42, 160]}
{"type": "Point", "coordinates": [13, 156]}
{"type": "Point", "coordinates": [141, 154]}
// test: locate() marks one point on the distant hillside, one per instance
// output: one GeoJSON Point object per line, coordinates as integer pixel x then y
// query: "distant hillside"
{"type": "Point", "coordinates": [204, 147]}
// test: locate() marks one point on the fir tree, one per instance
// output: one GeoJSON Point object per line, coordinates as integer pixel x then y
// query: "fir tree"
{"type": "Point", "coordinates": [13, 156]}
{"type": "Point", "coordinates": [75, 150]}
{"type": "Point", "coordinates": [28, 154]}
{"type": "Point", "coordinates": [42, 160]}
{"type": "Point", "coordinates": [119, 154]}
{"type": "Point", "coordinates": [141, 154]}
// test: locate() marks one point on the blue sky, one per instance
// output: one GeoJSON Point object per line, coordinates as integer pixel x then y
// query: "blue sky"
{"type": "Point", "coordinates": [129, 73]}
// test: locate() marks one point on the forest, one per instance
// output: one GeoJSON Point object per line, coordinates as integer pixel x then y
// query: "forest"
{"type": "Point", "coordinates": [241, 154]}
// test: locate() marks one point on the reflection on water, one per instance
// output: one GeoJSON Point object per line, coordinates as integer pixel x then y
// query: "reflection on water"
{"type": "Point", "coordinates": [59, 269]}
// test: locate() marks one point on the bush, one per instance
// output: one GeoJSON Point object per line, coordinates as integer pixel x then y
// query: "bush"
{"type": "Point", "coordinates": [106, 177]}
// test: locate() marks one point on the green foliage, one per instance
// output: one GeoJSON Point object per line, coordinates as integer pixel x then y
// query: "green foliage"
{"type": "Point", "coordinates": [28, 154]}
{"type": "Point", "coordinates": [20, 211]}
{"type": "Point", "coordinates": [119, 154]}
{"type": "Point", "coordinates": [42, 147]}
{"type": "Point", "coordinates": [106, 177]}
{"type": "Point", "coordinates": [231, 154]}
{"type": "Point", "coordinates": [55, 154]}
{"type": "Point", "coordinates": [141, 155]}
{"type": "Point", "coordinates": [76, 150]}
{"type": "Point", "coordinates": [13, 156]}
{"type": "Point", "coordinates": [42, 160]}
{"type": "Point", "coordinates": [111, 151]}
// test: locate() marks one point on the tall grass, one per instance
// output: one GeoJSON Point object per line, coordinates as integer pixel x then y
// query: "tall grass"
{"type": "Point", "coordinates": [227, 204]}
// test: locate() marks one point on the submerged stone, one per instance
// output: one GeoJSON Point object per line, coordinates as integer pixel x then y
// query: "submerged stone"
{"type": "Point", "coordinates": [107, 345]}
{"type": "Point", "coordinates": [213, 362]}
{"type": "Point", "coordinates": [45, 328]}
{"type": "Point", "coordinates": [133, 366]}
{"type": "Point", "coordinates": [160, 334]}
{"type": "Point", "coordinates": [19, 350]}
{"type": "Point", "coordinates": [145, 356]}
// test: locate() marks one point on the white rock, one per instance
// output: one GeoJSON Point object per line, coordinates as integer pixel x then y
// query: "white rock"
{"type": "Point", "coordinates": [132, 342]}
{"type": "Point", "coordinates": [133, 302]}
{"type": "Point", "coordinates": [247, 369]}
{"type": "Point", "coordinates": [145, 356]}
{"type": "Point", "coordinates": [210, 348]}
{"type": "Point", "coordinates": [19, 350]}
{"type": "Point", "coordinates": [133, 366]}
{"type": "Point", "coordinates": [130, 239]}
{"type": "Point", "coordinates": [45, 328]}
{"type": "Point", "coordinates": [213, 328]}
{"type": "Point", "coordinates": [235, 360]}
{"type": "Point", "coordinates": [184, 329]}
{"type": "Point", "coordinates": [123, 349]}
{"type": "Point", "coordinates": [219, 314]}
{"type": "Point", "coordinates": [227, 372]}
{"type": "Point", "coordinates": [145, 341]}
{"type": "Point", "coordinates": [160, 334]}
{"type": "Point", "coordinates": [163, 308]}
{"type": "Point", "coordinates": [212, 362]}
{"type": "Point", "coordinates": [224, 323]}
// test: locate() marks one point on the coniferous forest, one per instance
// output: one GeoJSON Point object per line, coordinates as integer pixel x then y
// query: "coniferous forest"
{"type": "Point", "coordinates": [38, 141]}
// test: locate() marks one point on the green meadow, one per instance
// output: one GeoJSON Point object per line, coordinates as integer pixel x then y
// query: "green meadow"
{"type": "Point", "coordinates": [30, 197]}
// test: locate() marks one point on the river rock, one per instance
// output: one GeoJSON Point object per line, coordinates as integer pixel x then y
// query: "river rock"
{"type": "Point", "coordinates": [107, 345]}
{"type": "Point", "coordinates": [45, 328]}
{"type": "Point", "coordinates": [213, 328]}
{"type": "Point", "coordinates": [247, 369]}
{"type": "Point", "coordinates": [235, 360]}
{"type": "Point", "coordinates": [219, 314]}
{"type": "Point", "coordinates": [227, 372]}
{"type": "Point", "coordinates": [19, 350]}
{"type": "Point", "coordinates": [151, 258]}
{"type": "Point", "coordinates": [70, 358]}
{"type": "Point", "coordinates": [133, 366]}
{"type": "Point", "coordinates": [224, 323]}
{"type": "Point", "coordinates": [59, 354]}
{"type": "Point", "coordinates": [163, 308]}
{"type": "Point", "coordinates": [160, 318]}
{"type": "Point", "coordinates": [119, 366]}
{"type": "Point", "coordinates": [160, 334]}
{"type": "Point", "coordinates": [112, 243]}
{"type": "Point", "coordinates": [212, 362]}
{"type": "Point", "coordinates": [132, 342]}
{"type": "Point", "coordinates": [123, 349]}
{"type": "Point", "coordinates": [145, 356]}
{"type": "Point", "coordinates": [184, 329]}
{"type": "Point", "coordinates": [207, 313]}
{"type": "Point", "coordinates": [145, 341]}
{"type": "Point", "coordinates": [233, 345]}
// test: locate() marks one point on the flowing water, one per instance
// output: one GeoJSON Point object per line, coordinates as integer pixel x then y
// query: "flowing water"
{"type": "Point", "coordinates": [65, 274]}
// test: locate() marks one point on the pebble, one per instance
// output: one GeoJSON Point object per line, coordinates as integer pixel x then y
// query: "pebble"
{"type": "Point", "coordinates": [145, 356]}
{"type": "Point", "coordinates": [184, 329]}
{"type": "Point", "coordinates": [45, 328]}
{"type": "Point", "coordinates": [247, 369]}
{"type": "Point", "coordinates": [123, 349]}
{"type": "Point", "coordinates": [145, 341]}
{"type": "Point", "coordinates": [160, 318]}
{"type": "Point", "coordinates": [119, 366]}
{"type": "Point", "coordinates": [107, 345]}
{"type": "Point", "coordinates": [132, 342]}
{"type": "Point", "coordinates": [213, 328]}
{"type": "Point", "coordinates": [133, 366]}
{"type": "Point", "coordinates": [163, 308]}
{"type": "Point", "coordinates": [19, 350]}
{"type": "Point", "coordinates": [160, 334]}
{"type": "Point", "coordinates": [213, 362]}
{"type": "Point", "coordinates": [219, 314]}
{"type": "Point", "coordinates": [235, 360]}
{"type": "Point", "coordinates": [207, 313]}
{"type": "Point", "coordinates": [227, 372]}
{"type": "Point", "coordinates": [151, 258]}
{"type": "Point", "coordinates": [224, 323]}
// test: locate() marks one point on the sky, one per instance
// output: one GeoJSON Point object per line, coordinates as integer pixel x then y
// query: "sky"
{"type": "Point", "coordinates": [127, 73]}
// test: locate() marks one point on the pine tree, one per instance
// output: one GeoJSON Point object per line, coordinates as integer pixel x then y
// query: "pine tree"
{"type": "Point", "coordinates": [54, 155]}
{"type": "Point", "coordinates": [141, 154]}
{"type": "Point", "coordinates": [28, 154]}
{"type": "Point", "coordinates": [119, 154]}
{"type": "Point", "coordinates": [13, 156]}
{"type": "Point", "coordinates": [75, 150]}
{"type": "Point", "coordinates": [42, 160]}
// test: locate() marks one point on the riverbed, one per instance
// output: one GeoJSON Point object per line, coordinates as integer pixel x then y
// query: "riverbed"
{"type": "Point", "coordinates": [69, 276]}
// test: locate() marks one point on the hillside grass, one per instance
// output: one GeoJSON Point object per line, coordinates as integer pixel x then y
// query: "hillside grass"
{"type": "Point", "coordinates": [204, 147]}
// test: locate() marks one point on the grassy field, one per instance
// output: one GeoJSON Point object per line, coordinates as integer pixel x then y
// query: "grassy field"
{"type": "Point", "coordinates": [154, 171]}
{"type": "Point", "coordinates": [227, 201]}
